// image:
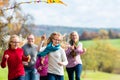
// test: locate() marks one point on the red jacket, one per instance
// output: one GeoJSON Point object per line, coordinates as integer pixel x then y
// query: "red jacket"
{"type": "Point", "coordinates": [14, 62]}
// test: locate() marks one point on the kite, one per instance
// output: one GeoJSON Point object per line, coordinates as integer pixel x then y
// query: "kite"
{"type": "Point", "coordinates": [55, 1]}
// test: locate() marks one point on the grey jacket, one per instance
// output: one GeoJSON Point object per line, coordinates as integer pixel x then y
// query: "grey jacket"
{"type": "Point", "coordinates": [32, 51]}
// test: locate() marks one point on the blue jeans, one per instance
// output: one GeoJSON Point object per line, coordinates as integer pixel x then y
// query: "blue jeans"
{"type": "Point", "coordinates": [31, 74]}
{"type": "Point", "coordinates": [20, 78]}
{"type": "Point", "coordinates": [55, 77]}
{"type": "Point", "coordinates": [77, 69]}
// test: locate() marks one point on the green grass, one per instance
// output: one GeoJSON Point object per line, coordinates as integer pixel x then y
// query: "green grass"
{"type": "Point", "coordinates": [3, 74]}
{"type": "Point", "coordinates": [114, 42]}
{"type": "Point", "coordinates": [89, 75]}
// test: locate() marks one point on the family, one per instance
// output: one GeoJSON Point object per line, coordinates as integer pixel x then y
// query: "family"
{"type": "Point", "coordinates": [46, 61]}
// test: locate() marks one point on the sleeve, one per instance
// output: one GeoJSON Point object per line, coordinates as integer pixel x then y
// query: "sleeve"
{"type": "Point", "coordinates": [42, 52]}
{"type": "Point", "coordinates": [40, 45]}
{"type": "Point", "coordinates": [4, 61]}
{"type": "Point", "coordinates": [25, 58]}
{"type": "Point", "coordinates": [64, 58]}
{"type": "Point", "coordinates": [79, 49]}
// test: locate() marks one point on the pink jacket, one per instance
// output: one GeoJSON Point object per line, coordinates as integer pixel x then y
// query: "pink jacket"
{"type": "Point", "coordinates": [43, 67]}
{"type": "Point", "coordinates": [72, 62]}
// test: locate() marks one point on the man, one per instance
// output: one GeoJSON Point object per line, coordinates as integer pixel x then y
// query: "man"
{"type": "Point", "coordinates": [30, 49]}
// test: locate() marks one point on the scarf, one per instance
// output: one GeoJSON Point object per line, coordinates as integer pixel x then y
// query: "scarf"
{"type": "Point", "coordinates": [48, 49]}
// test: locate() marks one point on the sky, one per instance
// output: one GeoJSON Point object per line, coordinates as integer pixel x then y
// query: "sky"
{"type": "Point", "coordinates": [77, 13]}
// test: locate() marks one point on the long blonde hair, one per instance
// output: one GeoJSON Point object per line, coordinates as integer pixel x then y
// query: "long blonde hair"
{"type": "Point", "coordinates": [11, 38]}
{"type": "Point", "coordinates": [76, 33]}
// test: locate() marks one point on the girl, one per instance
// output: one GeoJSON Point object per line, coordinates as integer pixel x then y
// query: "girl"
{"type": "Point", "coordinates": [42, 62]}
{"type": "Point", "coordinates": [73, 55]}
{"type": "Point", "coordinates": [56, 57]}
{"type": "Point", "coordinates": [13, 57]}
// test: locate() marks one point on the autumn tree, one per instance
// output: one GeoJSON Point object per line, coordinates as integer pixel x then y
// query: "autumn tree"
{"type": "Point", "coordinates": [13, 21]}
{"type": "Point", "coordinates": [100, 56]}
{"type": "Point", "coordinates": [114, 34]}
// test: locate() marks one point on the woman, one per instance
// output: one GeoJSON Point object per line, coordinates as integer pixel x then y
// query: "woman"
{"type": "Point", "coordinates": [13, 57]}
{"type": "Point", "coordinates": [56, 57]}
{"type": "Point", "coordinates": [73, 53]}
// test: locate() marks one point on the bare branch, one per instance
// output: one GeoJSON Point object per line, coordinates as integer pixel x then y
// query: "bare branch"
{"type": "Point", "coordinates": [18, 4]}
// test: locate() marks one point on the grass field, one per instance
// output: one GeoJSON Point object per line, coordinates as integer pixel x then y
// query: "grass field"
{"type": "Point", "coordinates": [114, 42]}
{"type": "Point", "coordinates": [89, 75]}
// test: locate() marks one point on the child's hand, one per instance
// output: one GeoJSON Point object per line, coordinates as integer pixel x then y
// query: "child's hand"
{"type": "Point", "coordinates": [43, 37]}
{"type": "Point", "coordinates": [25, 63]}
{"type": "Point", "coordinates": [39, 68]}
{"type": "Point", "coordinates": [72, 47]}
{"type": "Point", "coordinates": [84, 49]}
{"type": "Point", "coordinates": [6, 56]}
{"type": "Point", "coordinates": [60, 63]}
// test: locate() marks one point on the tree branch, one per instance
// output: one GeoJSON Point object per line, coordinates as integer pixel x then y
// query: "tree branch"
{"type": "Point", "coordinates": [18, 4]}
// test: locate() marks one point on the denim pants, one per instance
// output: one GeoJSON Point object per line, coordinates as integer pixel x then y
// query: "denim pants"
{"type": "Point", "coordinates": [55, 77]}
{"type": "Point", "coordinates": [31, 74]}
{"type": "Point", "coordinates": [77, 69]}
{"type": "Point", "coordinates": [20, 78]}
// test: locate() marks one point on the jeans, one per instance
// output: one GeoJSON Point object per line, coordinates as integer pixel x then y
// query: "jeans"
{"type": "Point", "coordinates": [43, 78]}
{"type": "Point", "coordinates": [31, 74]}
{"type": "Point", "coordinates": [55, 77]}
{"type": "Point", "coordinates": [77, 69]}
{"type": "Point", "coordinates": [20, 78]}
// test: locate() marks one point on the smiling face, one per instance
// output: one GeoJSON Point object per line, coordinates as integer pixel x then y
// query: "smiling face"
{"type": "Point", "coordinates": [56, 40]}
{"type": "Point", "coordinates": [14, 42]}
{"type": "Point", "coordinates": [74, 36]}
{"type": "Point", "coordinates": [30, 39]}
